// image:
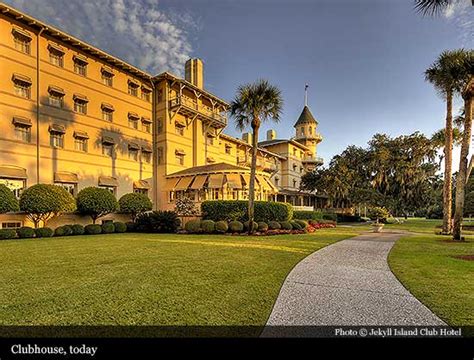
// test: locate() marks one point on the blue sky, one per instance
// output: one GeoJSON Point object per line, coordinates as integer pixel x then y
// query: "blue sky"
{"type": "Point", "coordinates": [363, 60]}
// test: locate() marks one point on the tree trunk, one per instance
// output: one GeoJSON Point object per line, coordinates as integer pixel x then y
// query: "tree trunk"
{"type": "Point", "coordinates": [448, 162]}
{"type": "Point", "coordinates": [253, 169]}
{"type": "Point", "coordinates": [461, 179]}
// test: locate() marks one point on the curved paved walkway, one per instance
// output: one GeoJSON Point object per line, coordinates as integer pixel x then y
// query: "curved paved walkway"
{"type": "Point", "coordinates": [348, 283]}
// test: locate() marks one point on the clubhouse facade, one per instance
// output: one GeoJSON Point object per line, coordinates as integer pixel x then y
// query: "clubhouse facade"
{"type": "Point", "coordinates": [75, 116]}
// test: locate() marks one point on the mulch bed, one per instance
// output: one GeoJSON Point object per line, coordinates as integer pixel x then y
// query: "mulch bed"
{"type": "Point", "coordinates": [464, 257]}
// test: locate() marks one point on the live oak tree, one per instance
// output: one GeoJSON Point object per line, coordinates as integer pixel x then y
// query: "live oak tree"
{"type": "Point", "coordinates": [253, 104]}
{"type": "Point", "coordinates": [96, 202]}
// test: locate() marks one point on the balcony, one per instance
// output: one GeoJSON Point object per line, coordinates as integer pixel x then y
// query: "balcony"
{"type": "Point", "coordinates": [190, 108]}
{"type": "Point", "coordinates": [263, 165]}
{"type": "Point", "coordinates": [313, 160]}
{"type": "Point", "coordinates": [317, 137]}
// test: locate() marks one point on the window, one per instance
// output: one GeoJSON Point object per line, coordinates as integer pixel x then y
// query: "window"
{"type": "Point", "coordinates": [295, 167]}
{"type": "Point", "coordinates": [57, 140]}
{"type": "Point", "coordinates": [159, 97]}
{"type": "Point", "coordinates": [22, 86]}
{"type": "Point", "coordinates": [80, 66]}
{"type": "Point", "coordinates": [80, 144]}
{"type": "Point", "coordinates": [146, 125]}
{"type": "Point", "coordinates": [80, 104]}
{"type": "Point", "coordinates": [12, 225]}
{"type": "Point", "coordinates": [277, 181]}
{"type": "Point", "coordinates": [112, 189]}
{"type": "Point", "coordinates": [70, 188]}
{"type": "Point", "coordinates": [228, 149]}
{"type": "Point", "coordinates": [179, 129]}
{"type": "Point", "coordinates": [133, 88]}
{"type": "Point", "coordinates": [180, 159]}
{"type": "Point", "coordinates": [133, 122]}
{"type": "Point", "coordinates": [22, 41]}
{"type": "Point", "coordinates": [159, 155]}
{"type": "Point", "coordinates": [133, 154]}
{"type": "Point", "coordinates": [301, 169]}
{"type": "Point", "coordinates": [209, 140]}
{"type": "Point", "coordinates": [15, 185]}
{"type": "Point", "coordinates": [294, 183]}
{"type": "Point", "coordinates": [23, 133]}
{"type": "Point", "coordinates": [294, 152]}
{"type": "Point", "coordinates": [140, 191]}
{"type": "Point", "coordinates": [215, 194]}
{"type": "Point", "coordinates": [146, 94]}
{"type": "Point", "coordinates": [310, 130]}
{"type": "Point", "coordinates": [107, 77]}
{"type": "Point", "coordinates": [56, 96]}
{"type": "Point", "coordinates": [159, 126]}
{"type": "Point", "coordinates": [108, 150]}
{"type": "Point", "coordinates": [107, 115]}
{"type": "Point", "coordinates": [56, 56]}
{"type": "Point", "coordinates": [146, 156]}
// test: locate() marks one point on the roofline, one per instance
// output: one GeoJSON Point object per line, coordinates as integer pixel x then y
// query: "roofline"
{"type": "Point", "coordinates": [247, 144]}
{"type": "Point", "coordinates": [279, 141]}
{"type": "Point", "coordinates": [75, 42]}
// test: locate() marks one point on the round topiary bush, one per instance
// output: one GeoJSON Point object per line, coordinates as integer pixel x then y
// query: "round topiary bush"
{"type": "Point", "coordinates": [193, 226]}
{"type": "Point", "coordinates": [108, 228]}
{"type": "Point", "coordinates": [286, 225]}
{"type": "Point", "coordinates": [262, 226]}
{"type": "Point", "coordinates": [25, 232]}
{"type": "Point", "coordinates": [44, 232]}
{"type": "Point", "coordinates": [6, 234]}
{"type": "Point", "coordinates": [96, 202]}
{"type": "Point", "coordinates": [134, 204]}
{"type": "Point", "coordinates": [222, 227]}
{"type": "Point", "coordinates": [77, 229]}
{"type": "Point", "coordinates": [120, 227]}
{"type": "Point", "coordinates": [274, 225]}
{"type": "Point", "coordinates": [254, 227]}
{"type": "Point", "coordinates": [208, 226]}
{"type": "Point", "coordinates": [8, 201]}
{"type": "Point", "coordinates": [93, 229]}
{"type": "Point", "coordinates": [64, 230]}
{"type": "Point", "coordinates": [302, 223]}
{"type": "Point", "coordinates": [131, 226]}
{"type": "Point", "coordinates": [236, 227]}
{"type": "Point", "coordinates": [295, 225]}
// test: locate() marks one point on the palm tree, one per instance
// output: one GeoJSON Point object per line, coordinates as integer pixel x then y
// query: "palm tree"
{"type": "Point", "coordinates": [447, 78]}
{"type": "Point", "coordinates": [254, 104]}
{"type": "Point", "coordinates": [433, 7]}
{"type": "Point", "coordinates": [461, 180]}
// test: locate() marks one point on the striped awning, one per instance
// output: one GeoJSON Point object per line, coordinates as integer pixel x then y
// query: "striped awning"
{"type": "Point", "coordinates": [21, 121]}
{"type": "Point", "coordinates": [133, 83]}
{"type": "Point", "coordinates": [133, 115]}
{"type": "Point", "coordinates": [56, 90]}
{"type": "Point", "coordinates": [270, 183]}
{"type": "Point", "coordinates": [22, 78]}
{"type": "Point", "coordinates": [133, 146]}
{"type": "Point", "coordinates": [184, 183]}
{"type": "Point", "coordinates": [106, 106]}
{"type": "Point", "coordinates": [21, 32]}
{"type": "Point", "coordinates": [234, 181]}
{"type": "Point", "coordinates": [107, 70]}
{"type": "Point", "coordinates": [180, 152]}
{"type": "Point", "coordinates": [56, 128]}
{"type": "Point", "coordinates": [215, 181]}
{"type": "Point", "coordinates": [147, 148]}
{"type": "Point", "coordinates": [80, 59]}
{"type": "Point", "coordinates": [10, 172]}
{"type": "Point", "coordinates": [81, 135]}
{"type": "Point", "coordinates": [145, 120]}
{"type": "Point", "coordinates": [171, 183]}
{"type": "Point", "coordinates": [108, 181]}
{"type": "Point", "coordinates": [80, 97]}
{"type": "Point", "coordinates": [56, 48]}
{"type": "Point", "coordinates": [198, 182]}
{"type": "Point", "coordinates": [107, 140]}
{"type": "Point", "coordinates": [66, 177]}
{"type": "Point", "coordinates": [142, 185]}
{"type": "Point", "coordinates": [263, 183]}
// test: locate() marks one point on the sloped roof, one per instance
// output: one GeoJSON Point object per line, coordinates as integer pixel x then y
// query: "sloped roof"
{"type": "Point", "coordinates": [306, 117]}
{"type": "Point", "coordinates": [211, 168]}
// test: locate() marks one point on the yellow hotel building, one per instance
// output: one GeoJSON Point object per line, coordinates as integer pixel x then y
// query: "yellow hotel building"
{"type": "Point", "coordinates": [75, 116]}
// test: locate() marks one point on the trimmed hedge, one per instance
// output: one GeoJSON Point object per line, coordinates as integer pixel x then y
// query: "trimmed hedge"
{"type": "Point", "coordinates": [222, 227]}
{"type": "Point", "coordinates": [93, 229]}
{"type": "Point", "coordinates": [135, 204]}
{"type": "Point", "coordinates": [262, 226]}
{"type": "Point", "coordinates": [77, 229]}
{"type": "Point", "coordinates": [307, 215]}
{"type": "Point", "coordinates": [8, 201]}
{"type": "Point", "coordinates": [230, 210]}
{"type": "Point", "coordinates": [158, 222]}
{"type": "Point", "coordinates": [193, 226]}
{"type": "Point", "coordinates": [247, 225]}
{"type": "Point", "coordinates": [64, 230]}
{"type": "Point", "coordinates": [274, 225]}
{"type": "Point", "coordinates": [302, 223]}
{"type": "Point", "coordinates": [44, 232]}
{"type": "Point", "coordinates": [96, 202]}
{"type": "Point", "coordinates": [25, 232]}
{"type": "Point", "coordinates": [6, 234]}
{"type": "Point", "coordinates": [208, 226]}
{"type": "Point", "coordinates": [108, 227]}
{"type": "Point", "coordinates": [330, 216]}
{"type": "Point", "coordinates": [120, 227]}
{"type": "Point", "coordinates": [236, 226]}
{"type": "Point", "coordinates": [286, 225]}
{"type": "Point", "coordinates": [131, 226]}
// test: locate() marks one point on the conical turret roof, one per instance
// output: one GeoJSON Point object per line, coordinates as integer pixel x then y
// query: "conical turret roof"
{"type": "Point", "coordinates": [306, 117]}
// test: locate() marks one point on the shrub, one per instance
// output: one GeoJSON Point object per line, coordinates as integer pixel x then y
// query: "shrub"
{"type": "Point", "coordinates": [274, 225]}
{"type": "Point", "coordinates": [193, 226]}
{"type": "Point", "coordinates": [93, 229]}
{"type": "Point", "coordinates": [64, 230]}
{"type": "Point", "coordinates": [262, 226]}
{"type": "Point", "coordinates": [6, 234]}
{"type": "Point", "coordinates": [302, 223]}
{"type": "Point", "coordinates": [231, 210]}
{"type": "Point", "coordinates": [378, 213]}
{"type": "Point", "coordinates": [247, 225]}
{"type": "Point", "coordinates": [8, 201]}
{"type": "Point", "coordinates": [25, 232]}
{"type": "Point", "coordinates": [96, 202]}
{"type": "Point", "coordinates": [77, 229]}
{"type": "Point", "coordinates": [108, 227]}
{"type": "Point", "coordinates": [120, 227]}
{"type": "Point", "coordinates": [307, 215]}
{"type": "Point", "coordinates": [392, 220]}
{"type": "Point", "coordinates": [347, 218]}
{"type": "Point", "coordinates": [135, 204]}
{"type": "Point", "coordinates": [158, 222]}
{"type": "Point", "coordinates": [131, 226]}
{"type": "Point", "coordinates": [41, 202]}
{"type": "Point", "coordinates": [435, 212]}
{"type": "Point", "coordinates": [208, 226]}
{"type": "Point", "coordinates": [222, 227]}
{"type": "Point", "coordinates": [286, 225]}
{"type": "Point", "coordinates": [330, 216]}
{"type": "Point", "coordinates": [44, 232]}
{"type": "Point", "coordinates": [364, 219]}
{"type": "Point", "coordinates": [185, 207]}
{"type": "Point", "coordinates": [236, 226]}
{"type": "Point", "coordinates": [295, 225]}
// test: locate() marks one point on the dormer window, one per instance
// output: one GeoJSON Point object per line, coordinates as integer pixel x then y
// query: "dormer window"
{"type": "Point", "coordinates": [22, 40]}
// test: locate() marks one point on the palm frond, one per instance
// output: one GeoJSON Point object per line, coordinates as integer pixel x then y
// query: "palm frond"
{"type": "Point", "coordinates": [431, 7]}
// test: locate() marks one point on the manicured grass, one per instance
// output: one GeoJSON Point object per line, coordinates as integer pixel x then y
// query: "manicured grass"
{"type": "Point", "coordinates": [427, 266]}
{"type": "Point", "coordinates": [418, 225]}
{"type": "Point", "coordinates": [149, 279]}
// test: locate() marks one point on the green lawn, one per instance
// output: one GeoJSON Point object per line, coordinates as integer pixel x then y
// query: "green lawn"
{"type": "Point", "coordinates": [149, 279]}
{"type": "Point", "coordinates": [427, 266]}
{"type": "Point", "coordinates": [419, 225]}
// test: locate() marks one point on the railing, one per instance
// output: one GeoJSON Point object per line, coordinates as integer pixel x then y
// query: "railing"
{"type": "Point", "coordinates": [201, 109]}
{"type": "Point", "coordinates": [316, 136]}
{"type": "Point", "coordinates": [315, 159]}
{"type": "Point", "coordinates": [303, 208]}
{"type": "Point", "coordinates": [262, 164]}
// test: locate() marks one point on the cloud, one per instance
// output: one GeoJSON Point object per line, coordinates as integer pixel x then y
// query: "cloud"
{"type": "Point", "coordinates": [139, 32]}
{"type": "Point", "coordinates": [461, 14]}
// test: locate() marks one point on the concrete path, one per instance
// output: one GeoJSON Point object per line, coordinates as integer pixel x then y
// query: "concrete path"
{"type": "Point", "coordinates": [348, 283]}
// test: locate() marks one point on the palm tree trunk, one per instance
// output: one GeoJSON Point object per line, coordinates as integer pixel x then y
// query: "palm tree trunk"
{"type": "Point", "coordinates": [461, 179]}
{"type": "Point", "coordinates": [448, 162]}
{"type": "Point", "coordinates": [253, 169]}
